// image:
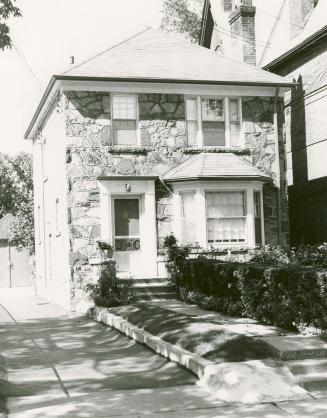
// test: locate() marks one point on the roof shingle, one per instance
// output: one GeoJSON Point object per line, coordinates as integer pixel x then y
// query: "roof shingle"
{"type": "Point", "coordinates": [215, 166]}
{"type": "Point", "coordinates": [154, 54]}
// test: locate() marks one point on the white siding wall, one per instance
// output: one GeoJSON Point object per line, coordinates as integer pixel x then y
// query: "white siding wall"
{"type": "Point", "coordinates": [52, 250]}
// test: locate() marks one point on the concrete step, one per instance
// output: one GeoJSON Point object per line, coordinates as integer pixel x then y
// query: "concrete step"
{"type": "Point", "coordinates": [154, 297]}
{"type": "Point", "coordinates": [152, 289]}
{"type": "Point", "coordinates": [300, 367]}
{"type": "Point", "coordinates": [311, 374]}
{"type": "Point", "coordinates": [140, 281]}
{"type": "Point", "coordinates": [297, 347]}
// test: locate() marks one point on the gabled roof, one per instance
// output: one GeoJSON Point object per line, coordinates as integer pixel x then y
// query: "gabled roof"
{"type": "Point", "coordinates": [215, 166]}
{"type": "Point", "coordinates": [5, 224]}
{"type": "Point", "coordinates": [157, 55]}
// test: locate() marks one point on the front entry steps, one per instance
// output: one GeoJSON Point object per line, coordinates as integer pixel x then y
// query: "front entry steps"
{"type": "Point", "coordinates": [152, 290]}
{"type": "Point", "coordinates": [311, 374]}
{"type": "Point", "coordinates": [306, 358]}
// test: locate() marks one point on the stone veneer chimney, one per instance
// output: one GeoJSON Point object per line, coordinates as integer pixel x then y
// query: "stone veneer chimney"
{"type": "Point", "coordinates": [242, 26]}
{"type": "Point", "coordinates": [299, 10]}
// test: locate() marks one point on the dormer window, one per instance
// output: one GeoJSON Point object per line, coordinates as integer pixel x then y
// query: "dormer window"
{"type": "Point", "coordinates": [124, 119]}
{"type": "Point", "coordinates": [213, 121]}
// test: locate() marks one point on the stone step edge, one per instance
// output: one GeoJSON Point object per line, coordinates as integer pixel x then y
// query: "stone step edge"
{"type": "Point", "coordinates": [191, 361]}
{"type": "Point", "coordinates": [297, 355]}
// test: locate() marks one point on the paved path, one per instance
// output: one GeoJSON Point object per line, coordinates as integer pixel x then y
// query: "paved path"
{"type": "Point", "coordinates": [64, 365]}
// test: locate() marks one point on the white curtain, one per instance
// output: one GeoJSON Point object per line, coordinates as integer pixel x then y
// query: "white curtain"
{"type": "Point", "coordinates": [225, 204]}
{"type": "Point", "coordinates": [226, 217]}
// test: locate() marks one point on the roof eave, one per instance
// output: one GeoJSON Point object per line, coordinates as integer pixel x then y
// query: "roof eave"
{"type": "Point", "coordinates": [206, 178]}
{"type": "Point", "coordinates": [41, 106]}
{"type": "Point", "coordinates": [298, 49]}
{"type": "Point", "coordinates": [279, 83]}
{"type": "Point", "coordinates": [122, 177]}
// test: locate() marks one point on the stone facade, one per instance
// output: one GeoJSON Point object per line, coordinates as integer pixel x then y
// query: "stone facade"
{"type": "Point", "coordinates": [259, 133]}
{"type": "Point", "coordinates": [90, 153]}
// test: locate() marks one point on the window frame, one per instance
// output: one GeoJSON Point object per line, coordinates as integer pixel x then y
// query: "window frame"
{"type": "Point", "coordinates": [114, 236]}
{"type": "Point", "coordinates": [182, 217]}
{"type": "Point", "coordinates": [137, 129]}
{"type": "Point", "coordinates": [227, 121]}
{"type": "Point", "coordinates": [259, 192]}
{"type": "Point", "coordinates": [245, 217]}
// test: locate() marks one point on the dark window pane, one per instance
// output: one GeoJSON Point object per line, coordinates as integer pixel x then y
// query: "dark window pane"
{"type": "Point", "coordinates": [213, 133]}
{"type": "Point", "coordinates": [124, 132]}
{"type": "Point", "coordinates": [258, 236]}
{"type": "Point", "coordinates": [257, 218]}
{"type": "Point", "coordinates": [126, 217]}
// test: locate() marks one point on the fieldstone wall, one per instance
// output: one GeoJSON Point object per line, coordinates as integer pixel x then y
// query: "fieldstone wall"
{"type": "Point", "coordinates": [258, 130]}
{"type": "Point", "coordinates": [90, 153]}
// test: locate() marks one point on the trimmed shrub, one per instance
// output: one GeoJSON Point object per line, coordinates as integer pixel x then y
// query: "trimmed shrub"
{"type": "Point", "coordinates": [289, 296]}
{"type": "Point", "coordinates": [109, 291]}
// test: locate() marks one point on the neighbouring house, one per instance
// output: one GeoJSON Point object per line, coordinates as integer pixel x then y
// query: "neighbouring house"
{"type": "Point", "coordinates": [289, 38]}
{"type": "Point", "coordinates": [155, 135]}
{"type": "Point", "coordinates": [16, 267]}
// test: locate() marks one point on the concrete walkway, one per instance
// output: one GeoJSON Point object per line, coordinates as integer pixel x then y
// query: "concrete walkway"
{"type": "Point", "coordinates": [56, 364]}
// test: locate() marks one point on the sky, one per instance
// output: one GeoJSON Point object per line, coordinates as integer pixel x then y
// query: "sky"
{"type": "Point", "coordinates": [47, 34]}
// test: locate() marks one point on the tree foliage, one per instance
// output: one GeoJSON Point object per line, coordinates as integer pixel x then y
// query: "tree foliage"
{"type": "Point", "coordinates": [16, 197]}
{"type": "Point", "coordinates": [7, 10]}
{"type": "Point", "coordinates": [183, 16]}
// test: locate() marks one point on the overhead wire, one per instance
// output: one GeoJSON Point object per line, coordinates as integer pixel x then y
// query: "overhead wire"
{"type": "Point", "coordinates": [223, 30]}
{"type": "Point", "coordinates": [21, 56]}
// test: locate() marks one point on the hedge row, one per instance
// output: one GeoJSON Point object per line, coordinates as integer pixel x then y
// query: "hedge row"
{"type": "Point", "coordinates": [286, 296]}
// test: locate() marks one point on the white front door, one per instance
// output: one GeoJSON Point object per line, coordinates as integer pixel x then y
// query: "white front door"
{"type": "Point", "coordinates": [129, 254]}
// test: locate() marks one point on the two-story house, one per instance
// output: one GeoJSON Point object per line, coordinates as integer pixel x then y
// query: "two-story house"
{"type": "Point", "coordinates": [155, 135]}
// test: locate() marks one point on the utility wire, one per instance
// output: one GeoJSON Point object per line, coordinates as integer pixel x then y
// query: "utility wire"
{"type": "Point", "coordinates": [223, 30]}
{"type": "Point", "coordinates": [25, 63]}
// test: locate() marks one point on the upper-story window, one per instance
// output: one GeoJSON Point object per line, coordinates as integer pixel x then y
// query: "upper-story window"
{"type": "Point", "coordinates": [124, 119]}
{"type": "Point", "coordinates": [191, 121]}
{"type": "Point", "coordinates": [213, 121]}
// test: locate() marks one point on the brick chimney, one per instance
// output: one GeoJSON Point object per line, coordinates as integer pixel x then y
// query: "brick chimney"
{"type": "Point", "coordinates": [242, 26]}
{"type": "Point", "coordinates": [299, 11]}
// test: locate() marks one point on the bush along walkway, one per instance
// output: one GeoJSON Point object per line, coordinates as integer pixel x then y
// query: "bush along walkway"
{"type": "Point", "coordinates": [238, 359]}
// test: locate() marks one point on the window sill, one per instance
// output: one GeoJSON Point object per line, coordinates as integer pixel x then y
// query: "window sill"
{"type": "Point", "coordinates": [214, 149]}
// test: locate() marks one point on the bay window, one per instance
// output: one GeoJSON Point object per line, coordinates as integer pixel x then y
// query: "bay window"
{"type": "Point", "coordinates": [188, 217]}
{"type": "Point", "coordinates": [124, 119]}
{"type": "Point", "coordinates": [217, 118]}
{"type": "Point", "coordinates": [226, 217]}
{"type": "Point", "coordinates": [257, 217]}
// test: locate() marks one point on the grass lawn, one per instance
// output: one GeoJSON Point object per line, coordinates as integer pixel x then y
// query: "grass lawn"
{"type": "Point", "coordinates": [209, 340]}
